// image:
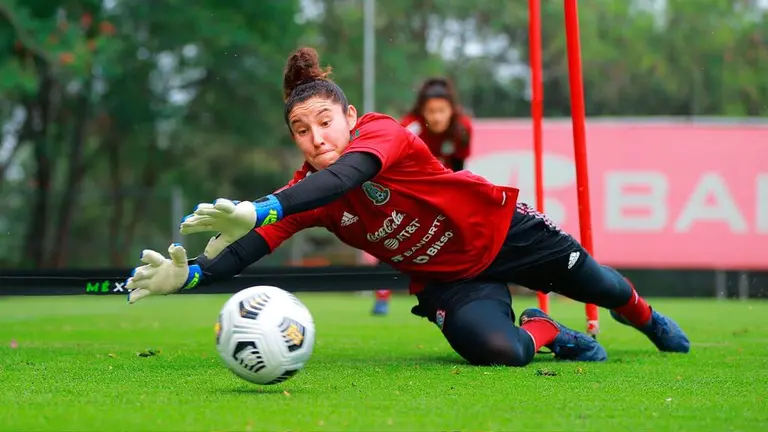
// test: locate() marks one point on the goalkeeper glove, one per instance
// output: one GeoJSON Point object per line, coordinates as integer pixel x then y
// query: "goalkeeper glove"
{"type": "Point", "coordinates": [232, 220]}
{"type": "Point", "coordinates": [162, 276]}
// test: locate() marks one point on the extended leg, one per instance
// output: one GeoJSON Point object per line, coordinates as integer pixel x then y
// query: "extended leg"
{"type": "Point", "coordinates": [661, 330]}
{"type": "Point", "coordinates": [585, 280]}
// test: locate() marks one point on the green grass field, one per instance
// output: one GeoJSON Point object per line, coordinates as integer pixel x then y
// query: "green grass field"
{"type": "Point", "coordinates": [75, 367]}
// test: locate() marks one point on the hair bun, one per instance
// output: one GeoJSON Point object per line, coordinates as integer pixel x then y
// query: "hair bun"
{"type": "Point", "coordinates": [443, 82]}
{"type": "Point", "coordinates": [303, 66]}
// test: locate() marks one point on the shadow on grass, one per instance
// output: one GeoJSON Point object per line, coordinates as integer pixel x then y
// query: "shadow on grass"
{"type": "Point", "coordinates": [255, 389]}
{"type": "Point", "coordinates": [454, 359]}
{"type": "Point", "coordinates": [629, 356]}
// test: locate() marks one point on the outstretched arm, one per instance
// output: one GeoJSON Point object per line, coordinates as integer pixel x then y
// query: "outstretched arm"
{"type": "Point", "coordinates": [321, 188]}
{"type": "Point", "coordinates": [234, 219]}
{"type": "Point", "coordinates": [377, 145]}
{"type": "Point", "coordinates": [162, 276]}
{"type": "Point", "coordinates": [231, 261]}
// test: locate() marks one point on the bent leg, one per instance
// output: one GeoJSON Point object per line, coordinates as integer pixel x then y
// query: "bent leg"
{"type": "Point", "coordinates": [477, 320]}
{"type": "Point", "coordinates": [484, 333]}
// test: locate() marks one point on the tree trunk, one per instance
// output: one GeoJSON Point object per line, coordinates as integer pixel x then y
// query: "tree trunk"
{"type": "Point", "coordinates": [116, 252]}
{"type": "Point", "coordinates": [149, 179]}
{"type": "Point", "coordinates": [36, 129]}
{"type": "Point", "coordinates": [419, 35]}
{"type": "Point", "coordinates": [74, 178]}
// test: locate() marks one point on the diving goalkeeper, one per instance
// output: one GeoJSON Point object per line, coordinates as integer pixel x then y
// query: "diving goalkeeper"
{"type": "Point", "coordinates": [461, 239]}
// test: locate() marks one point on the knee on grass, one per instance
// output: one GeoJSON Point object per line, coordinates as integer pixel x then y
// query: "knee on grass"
{"type": "Point", "coordinates": [499, 350]}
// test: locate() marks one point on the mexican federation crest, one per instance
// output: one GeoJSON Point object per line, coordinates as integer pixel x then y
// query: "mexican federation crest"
{"type": "Point", "coordinates": [375, 192]}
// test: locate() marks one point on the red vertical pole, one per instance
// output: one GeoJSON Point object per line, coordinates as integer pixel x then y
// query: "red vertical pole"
{"type": "Point", "coordinates": [578, 117]}
{"type": "Point", "coordinates": [537, 111]}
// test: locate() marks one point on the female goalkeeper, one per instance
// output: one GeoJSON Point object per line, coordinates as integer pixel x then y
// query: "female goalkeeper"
{"type": "Point", "coordinates": [461, 239]}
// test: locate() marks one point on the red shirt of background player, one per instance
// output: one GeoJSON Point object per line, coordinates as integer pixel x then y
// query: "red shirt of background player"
{"type": "Point", "coordinates": [452, 144]}
{"type": "Point", "coordinates": [425, 220]}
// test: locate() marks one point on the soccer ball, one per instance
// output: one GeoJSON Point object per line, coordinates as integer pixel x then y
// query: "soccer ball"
{"type": "Point", "coordinates": [265, 335]}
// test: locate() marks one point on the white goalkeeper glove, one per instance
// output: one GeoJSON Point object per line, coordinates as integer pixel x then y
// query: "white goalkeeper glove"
{"type": "Point", "coordinates": [231, 219]}
{"type": "Point", "coordinates": [162, 276]}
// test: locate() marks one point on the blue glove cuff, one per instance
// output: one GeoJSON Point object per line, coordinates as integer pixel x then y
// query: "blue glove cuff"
{"type": "Point", "coordinates": [194, 277]}
{"type": "Point", "coordinates": [268, 210]}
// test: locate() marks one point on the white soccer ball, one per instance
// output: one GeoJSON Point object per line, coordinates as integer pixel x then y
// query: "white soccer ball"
{"type": "Point", "coordinates": [265, 335]}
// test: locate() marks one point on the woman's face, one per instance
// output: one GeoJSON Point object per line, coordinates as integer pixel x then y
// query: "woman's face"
{"type": "Point", "coordinates": [321, 130]}
{"type": "Point", "coordinates": [437, 113]}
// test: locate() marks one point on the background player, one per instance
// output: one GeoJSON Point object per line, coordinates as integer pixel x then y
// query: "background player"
{"type": "Point", "coordinates": [439, 120]}
{"type": "Point", "coordinates": [458, 237]}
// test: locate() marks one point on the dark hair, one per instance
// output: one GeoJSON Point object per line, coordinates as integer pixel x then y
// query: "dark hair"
{"type": "Point", "coordinates": [437, 88]}
{"type": "Point", "coordinates": [304, 79]}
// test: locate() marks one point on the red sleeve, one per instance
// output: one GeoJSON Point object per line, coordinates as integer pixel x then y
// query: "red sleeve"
{"type": "Point", "coordinates": [382, 137]}
{"type": "Point", "coordinates": [275, 234]}
{"type": "Point", "coordinates": [464, 147]}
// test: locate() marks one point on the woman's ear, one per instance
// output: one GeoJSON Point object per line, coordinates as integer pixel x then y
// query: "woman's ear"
{"type": "Point", "coordinates": [351, 117]}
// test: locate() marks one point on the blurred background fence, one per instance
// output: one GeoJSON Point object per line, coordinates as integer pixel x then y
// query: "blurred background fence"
{"type": "Point", "coordinates": [119, 115]}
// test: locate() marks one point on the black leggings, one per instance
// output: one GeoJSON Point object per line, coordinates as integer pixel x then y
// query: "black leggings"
{"type": "Point", "coordinates": [585, 281]}
{"type": "Point", "coordinates": [483, 330]}
{"type": "Point", "coordinates": [476, 316]}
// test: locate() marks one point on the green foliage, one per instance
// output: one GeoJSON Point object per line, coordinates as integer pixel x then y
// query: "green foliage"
{"type": "Point", "coordinates": [127, 101]}
{"type": "Point", "coordinates": [16, 81]}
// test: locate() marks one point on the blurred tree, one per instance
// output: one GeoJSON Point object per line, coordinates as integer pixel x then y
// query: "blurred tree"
{"type": "Point", "coordinates": [335, 28]}
{"type": "Point", "coordinates": [112, 108]}
{"type": "Point", "coordinates": [640, 57]}
{"type": "Point", "coordinates": [120, 98]}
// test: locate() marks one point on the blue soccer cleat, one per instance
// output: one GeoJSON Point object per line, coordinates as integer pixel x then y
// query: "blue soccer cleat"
{"type": "Point", "coordinates": [380, 307]}
{"type": "Point", "coordinates": [662, 331]}
{"type": "Point", "coordinates": [569, 344]}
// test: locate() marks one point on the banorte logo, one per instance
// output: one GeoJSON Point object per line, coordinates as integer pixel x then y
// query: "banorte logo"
{"type": "Point", "coordinates": [388, 227]}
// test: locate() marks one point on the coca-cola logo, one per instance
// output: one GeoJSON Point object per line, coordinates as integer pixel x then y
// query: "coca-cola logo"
{"type": "Point", "coordinates": [390, 225]}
